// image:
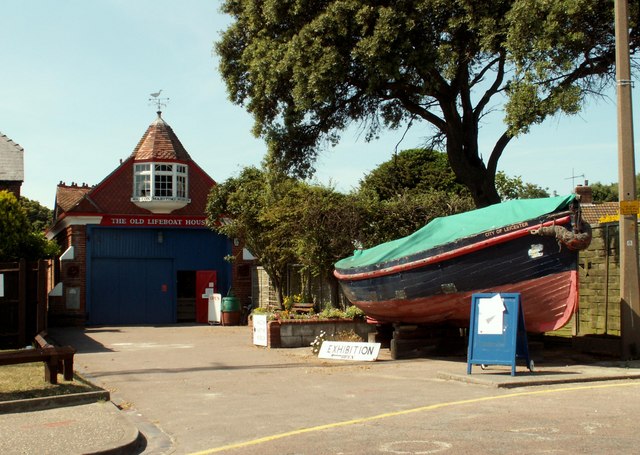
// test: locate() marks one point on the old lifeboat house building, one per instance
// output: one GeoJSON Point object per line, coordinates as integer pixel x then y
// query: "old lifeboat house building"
{"type": "Point", "coordinates": [136, 249]}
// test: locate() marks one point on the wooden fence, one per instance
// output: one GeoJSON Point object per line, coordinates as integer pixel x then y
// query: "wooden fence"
{"type": "Point", "coordinates": [24, 288]}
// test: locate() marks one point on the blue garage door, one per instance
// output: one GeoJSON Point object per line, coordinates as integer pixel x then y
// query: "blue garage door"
{"type": "Point", "coordinates": [132, 291]}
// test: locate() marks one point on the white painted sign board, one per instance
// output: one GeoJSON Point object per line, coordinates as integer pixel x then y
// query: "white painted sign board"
{"type": "Point", "coordinates": [214, 307]}
{"type": "Point", "coordinates": [259, 329]}
{"type": "Point", "coordinates": [491, 315]}
{"type": "Point", "coordinates": [349, 350]}
{"type": "Point", "coordinates": [1, 284]}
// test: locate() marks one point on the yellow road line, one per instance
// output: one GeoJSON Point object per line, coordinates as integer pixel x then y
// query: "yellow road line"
{"type": "Point", "coordinates": [386, 415]}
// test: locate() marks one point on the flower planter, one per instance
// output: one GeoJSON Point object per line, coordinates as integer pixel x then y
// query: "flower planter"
{"type": "Point", "coordinates": [298, 333]}
{"type": "Point", "coordinates": [230, 317]}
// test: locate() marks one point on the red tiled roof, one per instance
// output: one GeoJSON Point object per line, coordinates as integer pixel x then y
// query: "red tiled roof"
{"type": "Point", "coordinates": [597, 213]}
{"type": "Point", "coordinates": [160, 143]}
{"type": "Point", "coordinates": [68, 196]}
{"type": "Point", "coordinates": [113, 194]}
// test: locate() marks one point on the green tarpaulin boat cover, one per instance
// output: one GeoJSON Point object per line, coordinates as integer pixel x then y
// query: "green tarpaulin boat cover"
{"type": "Point", "coordinates": [441, 231]}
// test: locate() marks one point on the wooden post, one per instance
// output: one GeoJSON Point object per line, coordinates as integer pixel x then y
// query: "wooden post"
{"type": "Point", "coordinates": [629, 280]}
{"type": "Point", "coordinates": [42, 294]}
{"type": "Point", "coordinates": [23, 282]}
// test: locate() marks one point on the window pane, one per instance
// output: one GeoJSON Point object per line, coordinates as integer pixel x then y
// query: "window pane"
{"type": "Point", "coordinates": [182, 186]}
{"type": "Point", "coordinates": [164, 168]}
{"type": "Point", "coordinates": [163, 186]}
{"type": "Point", "coordinates": [143, 185]}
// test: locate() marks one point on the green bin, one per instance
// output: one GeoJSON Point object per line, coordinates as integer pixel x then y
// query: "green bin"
{"type": "Point", "coordinates": [230, 304]}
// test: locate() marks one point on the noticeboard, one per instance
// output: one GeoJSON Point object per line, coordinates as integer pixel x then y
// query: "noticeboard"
{"type": "Point", "coordinates": [629, 207]}
{"type": "Point", "coordinates": [497, 334]}
{"type": "Point", "coordinates": [260, 329]}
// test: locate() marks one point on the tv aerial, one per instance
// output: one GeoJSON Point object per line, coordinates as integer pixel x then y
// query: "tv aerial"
{"type": "Point", "coordinates": [573, 178]}
{"type": "Point", "coordinates": [156, 100]}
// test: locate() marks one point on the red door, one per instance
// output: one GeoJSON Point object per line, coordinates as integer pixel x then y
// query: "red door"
{"type": "Point", "coordinates": [206, 285]}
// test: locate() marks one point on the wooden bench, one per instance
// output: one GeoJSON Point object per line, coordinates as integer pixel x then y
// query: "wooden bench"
{"type": "Point", "coordinates": [300, 308]}
{"type": "Point", "coordinates": [56, 359]}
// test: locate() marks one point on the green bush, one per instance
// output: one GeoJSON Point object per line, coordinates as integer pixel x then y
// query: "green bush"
{"type": "Point", "coordinates": [352, 312]}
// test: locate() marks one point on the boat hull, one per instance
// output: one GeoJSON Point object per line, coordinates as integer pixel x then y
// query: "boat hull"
{"type": "Point", "coordinates": [543, 272]}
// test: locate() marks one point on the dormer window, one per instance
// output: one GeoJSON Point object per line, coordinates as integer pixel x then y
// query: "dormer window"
{"type": "Point", "coordinates": [160, 187]}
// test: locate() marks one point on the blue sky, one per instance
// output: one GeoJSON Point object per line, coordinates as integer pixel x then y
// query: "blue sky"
{"type": "Point", "coordinates": [76, 78]}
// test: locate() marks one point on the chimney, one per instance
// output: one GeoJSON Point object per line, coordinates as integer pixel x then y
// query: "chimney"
{"type": "Point", "coordinates": [585, 195]}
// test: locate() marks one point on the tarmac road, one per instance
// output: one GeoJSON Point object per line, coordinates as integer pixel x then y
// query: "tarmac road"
{"type": "Point", "coordinates": [207, 389]}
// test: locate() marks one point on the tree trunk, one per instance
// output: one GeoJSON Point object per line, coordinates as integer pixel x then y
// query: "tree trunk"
{"type": "Point", "coordinates": [470, 170]}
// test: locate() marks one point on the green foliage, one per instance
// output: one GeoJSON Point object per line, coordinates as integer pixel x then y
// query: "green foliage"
{"type": "Point", "coordinates": [562, 52]}
{"type": "Point", "coordinates": [608, 192]}
{"type": "Point", "coordinates": [290, 300]}
{"type": "Point", "coordinates": [353, 312]}
{"type": "Point", "coordinates": [416, 170]}
{"type": "Point", "coordinates": [604, 192]}
{"type": "Point", "coordinates": [244, 207]}
{"type": "Point", "coordinates": [514, 188]}
{"type": "Point", "coordinates": [307, 70]}
{"type": "Point", "coordinates": [332, 313]}
{"type": "Point", "coordinates": [404, 214]}
{"type": "Point", "coordinates": [13, 226]}
{"type": "Point", "coordinates": [325, 224]}
{"type": "Point", "coordinates": [17, 238]}
{"type": "Point", "coordinates": [39, 216]}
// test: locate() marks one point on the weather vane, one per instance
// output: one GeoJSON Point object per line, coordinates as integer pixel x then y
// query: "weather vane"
{"type": "Point", "coordinates": [156, 100]}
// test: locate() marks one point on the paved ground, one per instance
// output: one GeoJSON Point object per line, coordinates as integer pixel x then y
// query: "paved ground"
{"type": "Point", "coordinates": [201, 389]}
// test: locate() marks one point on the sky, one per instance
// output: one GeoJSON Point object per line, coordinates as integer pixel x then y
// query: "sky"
{"type": "Point", "coordinates": [77, 76]}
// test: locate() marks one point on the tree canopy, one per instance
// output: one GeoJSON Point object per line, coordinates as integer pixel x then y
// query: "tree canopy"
{"type": "Point", "coordinates": [608, 192]}
{"type": "Point", "coordinates": [38, 215]}
{"type": "Point", "coordinates": [238, 208]}
{"type": "Point", "coordinates": [417, 170]}
{"type": "Point", "coordinates": [515, 188]}
{"type": "Point", "coordinates": [284, 221]}
{"type": "Point", "coordinates": [307, 70]}
{"type": "Point", "coordinates": [19, 238]}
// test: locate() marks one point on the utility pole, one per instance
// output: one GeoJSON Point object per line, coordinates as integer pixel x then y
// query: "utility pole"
{"type": "Point", "coordinates": [629, 279]}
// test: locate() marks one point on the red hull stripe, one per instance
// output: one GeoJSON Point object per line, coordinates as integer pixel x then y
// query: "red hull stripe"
{"type": "Point", "coordinates": [447, 255]}
{"type": "Point", "coordinates": [548, 304]}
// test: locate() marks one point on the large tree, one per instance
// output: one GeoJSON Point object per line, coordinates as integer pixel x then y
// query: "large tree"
{"type": "Point", "coordinates": [306, 70]}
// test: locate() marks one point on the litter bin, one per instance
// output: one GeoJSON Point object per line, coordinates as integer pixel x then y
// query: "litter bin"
{"type": "Point", "coordinates": [231, 310]}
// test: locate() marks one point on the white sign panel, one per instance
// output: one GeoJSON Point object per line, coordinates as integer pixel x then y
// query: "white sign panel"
{"type": "Point", "coordinates": [214, 306]}
{"type": "Point", "coordinates": [349, 350]}
{"type": "Point", "coordinates": [491, 316]}
{"type": "Point", "coordinates": [260, 329]}
{"type": "Point", "coordinates": [1, 284]}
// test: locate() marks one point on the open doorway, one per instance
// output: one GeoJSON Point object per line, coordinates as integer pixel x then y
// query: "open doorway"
{"type": "Point", "coordinates": [186, 287]}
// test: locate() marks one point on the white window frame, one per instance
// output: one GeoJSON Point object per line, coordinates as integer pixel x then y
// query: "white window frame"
{"type": "Point", "coordinates": [147, 178]}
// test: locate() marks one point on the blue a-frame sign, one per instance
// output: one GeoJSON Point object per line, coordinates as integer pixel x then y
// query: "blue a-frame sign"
{"type": "Point", "coordinates": [494, 338]}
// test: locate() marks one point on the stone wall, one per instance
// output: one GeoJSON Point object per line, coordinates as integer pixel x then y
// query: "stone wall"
{"type": "Point", "coordinates": [599, 308]}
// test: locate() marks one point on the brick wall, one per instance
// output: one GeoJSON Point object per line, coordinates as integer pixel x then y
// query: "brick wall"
{"type": "Point", "coordinates": [72, 274]}
{"type": "Point", "coordinates": [11, 186]}
{"type": "Point", "coordinates": [241, 275]}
